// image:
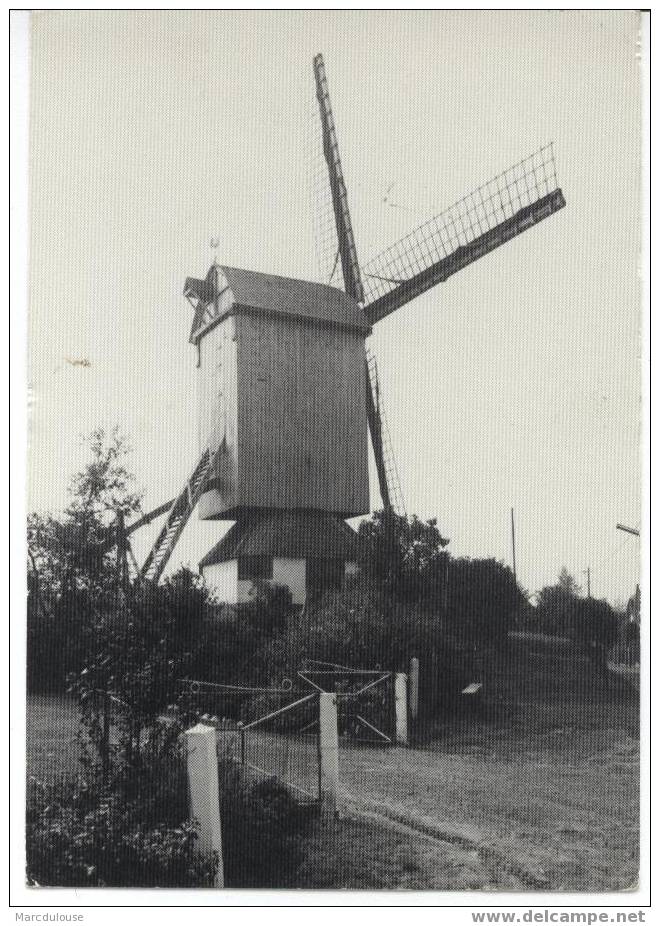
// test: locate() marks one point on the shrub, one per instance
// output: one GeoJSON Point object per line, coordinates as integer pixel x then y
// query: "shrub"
{"type": "Point", "coordinates": [596, 624]}
{"type": "Point", "coordinates": [76, 839]}
{"type": "Point", "coordinates": [483, 600]}
{"type": "Point", "coordinates": [361, 626]}
{"type": "Point", "coordinates": [138, 835]}
{"type": "Point", "coordinates": [262, 831]}
{"type": "Point", "coordinates": [126, 825]}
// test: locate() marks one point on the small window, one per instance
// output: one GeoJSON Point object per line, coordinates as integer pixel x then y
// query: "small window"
{"type": "Point", "coordinates": [255, 567]}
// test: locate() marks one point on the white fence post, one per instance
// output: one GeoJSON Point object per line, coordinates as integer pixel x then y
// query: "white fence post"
{"type": "Point", "coordinates": [413, 688]}
{"type": "Point", "coordinates": [202, 762]}
{"type": "Point", "coordinates": [328, 752]}
{"type": "Point", "coordinates": [401, 708]}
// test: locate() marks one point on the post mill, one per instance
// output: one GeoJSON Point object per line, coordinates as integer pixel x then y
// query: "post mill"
{"type": "Point", "coordinates": [287, 392]}
{"type": "Point", "coordinates": [281, 403]}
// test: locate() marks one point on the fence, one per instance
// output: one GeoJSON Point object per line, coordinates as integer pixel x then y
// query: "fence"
{"type": "Point", "coordinates": [372, 703]}
{"type": "Point", "coordinates": [283, 744]}
{"type": "Point", "coordinates": [227, 705]}
{"type": "Point", "coordinates": [201, 748]}
{"type": "Point", "coordinates": [255, 730]}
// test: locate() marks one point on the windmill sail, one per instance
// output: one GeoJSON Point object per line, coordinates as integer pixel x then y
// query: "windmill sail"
{"type": "Point", "coordinates": [388, 474]}
{"type": "Point", "coordinates": [346, 251]}
{"type": "Point", "coordinates": [507, 205]}
{"type": "Point", "coordinates": [346, 255]}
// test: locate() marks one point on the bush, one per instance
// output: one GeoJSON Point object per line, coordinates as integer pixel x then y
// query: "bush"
{"type": "Point", "coordinates": [262, 831]}
{"type": "Point", "coordinates": [596, 624]}
{"type": "Point", "coordinates": [166, 622]}
{"type": "Point", "coordinates": [107, 848]}
{"type": "Point", "coordinates": [132, 831]}
{"type": "Point", "coordinates": [483, 600]}
{"type": "Point", "coordinates": [55, 641]}
{"type": "Point", "coordinates": [138, 836]}
{"type": "Point", "coordinates": [80, 839]}
{"type": "Point", "coordinates": [361, 626]}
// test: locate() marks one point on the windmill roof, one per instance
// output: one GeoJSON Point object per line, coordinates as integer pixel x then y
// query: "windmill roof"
{"type": "Point", "coordinates": [292, 534]}
{"type": "Point", "coordinates": [263, 292]}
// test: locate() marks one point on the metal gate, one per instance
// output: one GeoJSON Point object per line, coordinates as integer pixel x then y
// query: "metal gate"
{"type": "Point", "coordinates": [365, 699]}
{"type": "Point", "coordinates": [267, 732]}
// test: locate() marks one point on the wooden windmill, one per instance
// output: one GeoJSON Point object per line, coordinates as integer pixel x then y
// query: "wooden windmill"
{"type": "Point", "coordinates": [285, 383]}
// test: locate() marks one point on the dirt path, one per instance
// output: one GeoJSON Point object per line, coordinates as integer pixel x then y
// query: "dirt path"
{"type": "Point", "coordinates": [546, 801]}
{"type": "Point", "coordinates": [551, 822]}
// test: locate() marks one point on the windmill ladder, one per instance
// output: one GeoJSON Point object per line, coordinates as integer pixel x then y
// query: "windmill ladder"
{"type": "Point", "coordinates": [177, 518]}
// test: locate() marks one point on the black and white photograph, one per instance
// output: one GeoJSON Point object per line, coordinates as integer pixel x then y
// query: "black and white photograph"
{"type": "Point", "coordinates": [334, 490]}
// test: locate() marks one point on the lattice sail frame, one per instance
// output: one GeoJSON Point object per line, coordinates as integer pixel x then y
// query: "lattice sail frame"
{"type": "Point", "coordinates": [321, 211]}
{"type": "Point", "coordinates": [388, 473]}
{"type": "Point", "coordinates": [501, 199]}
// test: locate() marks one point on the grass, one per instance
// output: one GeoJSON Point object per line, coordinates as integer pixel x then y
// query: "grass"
{"type": "Point", "coordinates": [353, 852]}
{"type": "Point", "coordinates": [364, 854]}
{"type": "Point", "coordinates": [52, 747]}
{"type": "Point", "coordinates": [555, 819]}
{"type": "Point", "coordinates": [547, 780]}
{"type": "Point", "coordinates": [540, 791]}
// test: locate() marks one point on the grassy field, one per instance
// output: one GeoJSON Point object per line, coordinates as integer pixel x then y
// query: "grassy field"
{"type": "Point", "coordinates": [539, 793]}
{"type": "Point", "coordinates": [547, 781]}
{"type": "Point", "coordinates": [52, 747]}
{"type": "Point", "coordinates": [551, 813]}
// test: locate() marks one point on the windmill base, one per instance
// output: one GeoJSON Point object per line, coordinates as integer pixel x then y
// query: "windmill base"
{"type": "Point", "coordinates": [308, 552]}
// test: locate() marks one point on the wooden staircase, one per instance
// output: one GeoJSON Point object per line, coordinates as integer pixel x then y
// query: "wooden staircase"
{"type": "Point", "coordinates": [177, 518]}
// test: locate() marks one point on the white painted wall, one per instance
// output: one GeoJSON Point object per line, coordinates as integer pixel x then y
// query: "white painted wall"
{"type": "Point", "coordinates": [293, 574]}
{"type": "Point", "coordinates": [222, 579]}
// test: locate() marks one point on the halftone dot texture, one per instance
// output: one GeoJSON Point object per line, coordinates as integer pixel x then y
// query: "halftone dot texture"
{"type": "Point", "coordinates": [515, 383]}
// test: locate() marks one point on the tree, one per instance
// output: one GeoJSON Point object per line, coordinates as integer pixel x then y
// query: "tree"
{"type": "Point", "coordinates": [475, 600]}
{"type": "Point", "coordinates": [596, 623]}
{"type": "Point", "coordinates": [134, 655]}
{"type": "Point", "coordinates": [72, 568]}
{"type": "Point", "coordinates": [72, 551]}
{"type": "Point", "coordinates": [123, 647]}
{"type": "Point", "coordinates": [567, 583]}
{"type": "Point", "coordinates": [591, 622]}
{"type": "Point", "coordinates": [634, 607]}
{"type": "Point", "coordinates": [557, 605]}
{"type": "Point", "coordinates": [404, 555]}
{"type": "Point", "coordinates": [483, 600]}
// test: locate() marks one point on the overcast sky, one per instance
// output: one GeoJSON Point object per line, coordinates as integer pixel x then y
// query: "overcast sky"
{"type": "Point", "coordinates": [515, 383]}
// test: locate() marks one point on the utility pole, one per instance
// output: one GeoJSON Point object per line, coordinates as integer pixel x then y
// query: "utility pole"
{"type": "Point", "coordinates": [513, 546]}
{"type": "Point", "coordinates": [588, 575]}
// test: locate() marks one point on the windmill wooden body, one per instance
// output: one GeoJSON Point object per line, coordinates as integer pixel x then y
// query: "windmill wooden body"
{"type": "Point", "coordinates": [282, 406]}
{"type": "Point", "coordinates": [286, 391]}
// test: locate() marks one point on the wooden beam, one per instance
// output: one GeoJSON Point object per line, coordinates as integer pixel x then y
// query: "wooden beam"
{"type": "Point", "coordinates": [345, 239]}
{"type": "Point", "coordinates": [373, 420]}
{"type": "Point", "coordinates": [628, 530]}
{"type": "Point", "coordinates": [464, 255]}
